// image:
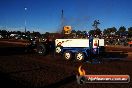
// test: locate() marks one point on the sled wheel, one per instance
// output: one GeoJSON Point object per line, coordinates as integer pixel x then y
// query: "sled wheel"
{"type": "Point", "coordinates": [79, 56]}
{"type": "Point", "coordinates": [67, 55]}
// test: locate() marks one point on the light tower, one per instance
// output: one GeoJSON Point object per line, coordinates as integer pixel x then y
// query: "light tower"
{"type": "Point", "coordinates": [25, 20]}
{"type": "Point", "coordinates": [62, 21]}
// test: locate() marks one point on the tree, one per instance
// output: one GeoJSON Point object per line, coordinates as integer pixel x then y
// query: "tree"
{"type": "Point", "coordinates": [28, 32]}
{"type": "Point", "coordinates": [91, 32]}
{"type": "Point", "coordinates": [73, 31]}
{"type": "Point", "coordinates": [122, 30]}
{"type": "Point", "coordinates": [110, 31]}
{"type": "Point", "coordinates": [113, 30]}
{"type": "Point", "coordinates": [37, 34]}
{"type": "Point", "coordinates": [97, 31]}
{"type": "Point", "coordinates": [130, 32]}
{"type": "Point", "coordinates": [106, 32]}
{"type": "Point", "coordinates": [79, 32]}
{"type": "Point", "coordinates": [47, 34]}
{"type": "Point", "coordinates": [18, 32]}
{"type": "Point", "coordinates": [84, 32]}
{"type": "Point", "coordinates": [4, 33]}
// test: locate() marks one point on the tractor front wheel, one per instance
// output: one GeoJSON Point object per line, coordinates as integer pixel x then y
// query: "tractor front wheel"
{"type": "Point", "coordinates": [41, 49]}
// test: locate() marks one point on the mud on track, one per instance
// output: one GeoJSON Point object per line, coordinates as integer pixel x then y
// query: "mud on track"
{"type": "Point", "coordinates": [24, 70]}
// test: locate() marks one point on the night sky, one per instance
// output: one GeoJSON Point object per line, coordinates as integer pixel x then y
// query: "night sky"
{"type": "Point", "coordinates": [45, 15]}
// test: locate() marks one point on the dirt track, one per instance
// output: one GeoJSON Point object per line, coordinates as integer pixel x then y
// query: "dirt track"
{"type": "Point", "coordinates": [31, 70]}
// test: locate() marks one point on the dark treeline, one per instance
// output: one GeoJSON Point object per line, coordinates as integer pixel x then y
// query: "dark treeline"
{"type": "Point", "coordinates": [112, 36]}
{"type": "Point", "coordinates": [122, 31]}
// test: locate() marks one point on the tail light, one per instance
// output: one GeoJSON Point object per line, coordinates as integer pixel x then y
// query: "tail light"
{"type": "Point", "coordinates": [95, 43]}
